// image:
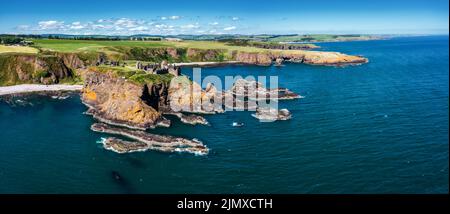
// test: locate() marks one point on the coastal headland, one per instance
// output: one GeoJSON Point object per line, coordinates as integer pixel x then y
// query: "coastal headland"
{"type": "Point", "coordinates": [134, 84]}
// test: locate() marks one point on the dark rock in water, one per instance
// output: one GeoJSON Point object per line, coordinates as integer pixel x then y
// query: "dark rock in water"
{"type": "Point", "coordinates": [190, 119]}
{"type": "Point", "coordinates": [147, 141]}
{"type": "Point", "coordinates": [194, 119]}
{"type": "Point", "coordinates": [122, 182]}
{"type": "Point", "coordinates": [285, 94]}
{"type": "Point", "coordinates": [254, 90]}
{"type": "Point", "coordinates": [116, 176]}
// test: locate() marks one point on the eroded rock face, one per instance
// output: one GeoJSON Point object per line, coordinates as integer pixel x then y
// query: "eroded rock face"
{"type": "Point", "coordinates": [116, 101]}
{"type": "Point", "coordinates": [187, 96]}
{"type": "Point", "coordinates": [254, 58]}
{"type": "Point", "coordinates": [20, 68]}
{"type": "Point", "coordinates": [72, 60]}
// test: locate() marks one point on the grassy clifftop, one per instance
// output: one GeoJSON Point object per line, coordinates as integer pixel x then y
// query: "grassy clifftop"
{"type": "Point", "coordinates": [136, 76]}
{"type": "Point", "coordinates": [52, 61]}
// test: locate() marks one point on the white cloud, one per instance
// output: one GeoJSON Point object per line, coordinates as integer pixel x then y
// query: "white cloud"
{"type": "Point", "coordinates": [50, 25]}
{"type": "Point", "coordinates": [96, 27]}
{"type": "Point", "coordinates": [191, 26]}
{"type": "Point", "coordinates": [103, 21]}
{"type": "Point", "coordinates": [140, 28]}
{"type": "Point", "coordinates": [76, 26]}
{"type": "Point", "coordinates": [125, 22]}
{"type": "Point", "coordinates": [161, 26]}
{"type": "Point", "coordinates": [235, 18]}
{"type": "Point", "coordinates": [229, 28]}
{"type": "Point", "coordinates": [127, 26]}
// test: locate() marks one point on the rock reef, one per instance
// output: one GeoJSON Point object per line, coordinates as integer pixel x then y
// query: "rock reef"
{"type": "Point", "coordinates": [254, 90]}
{"type": "Point", "coordinates": [270, 114]}
{"type": "Point", "coordinates": [192, 119]}
{"type": "Point", "coordinates": [147, 141]}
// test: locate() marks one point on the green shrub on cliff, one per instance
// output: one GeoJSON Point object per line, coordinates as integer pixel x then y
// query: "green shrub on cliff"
{"type": "Point", "coordinates": [14, 71]}
{"type": "Point", "coordinates": [133, 75]}
{"type": "Point", "coordinates": [40, 73]}
{"type": "Point", "coordinates": [7, 77]}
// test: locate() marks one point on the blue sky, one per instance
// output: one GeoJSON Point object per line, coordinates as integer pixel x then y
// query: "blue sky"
{"type": "Point", "coordinates": [230, 16]}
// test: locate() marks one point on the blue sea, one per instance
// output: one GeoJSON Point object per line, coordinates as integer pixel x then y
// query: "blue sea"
{"type": "Point", "coordinates": [381, 127]}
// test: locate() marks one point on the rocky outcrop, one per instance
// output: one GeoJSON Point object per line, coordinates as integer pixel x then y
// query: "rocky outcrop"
{"type": "Point", "coordinates": [147, 141]}
{"type": "Point", "coordinates": [192, 119]}
{"type": "Point", "coordinates": [322, 58]}
{"type": "Point", "coordinates": [253, 90]}
{"type": "Point", "coordinates": [271, 114]}
{"type": "Point", "coordinates": [187, 96]}
{"type": "Point", "coordinates": [307, 57]}
{"type": "Point", "coordinates": [72, 60]}
{"type": "Point", "coordinates": [117, 101]}
{"type": "Point", "coordinates": [254, 58]}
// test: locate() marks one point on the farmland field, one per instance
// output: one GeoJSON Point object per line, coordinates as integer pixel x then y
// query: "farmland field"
{"type": "Point", "coordinates": [64, 45]}
{"type": "Point", "coordinates": [17, 49]}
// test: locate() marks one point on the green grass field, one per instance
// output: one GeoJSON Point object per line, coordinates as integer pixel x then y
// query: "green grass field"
{"type": "Point", "coordinates": [87, 45]}
{"type": "Point", "coordinates": [319, 38]}
{"type": "Point", "coordinates": [134, 75]}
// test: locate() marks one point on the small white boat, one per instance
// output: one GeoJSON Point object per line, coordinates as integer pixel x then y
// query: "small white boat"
{"type": "Point", "coordinates": [237, 124]}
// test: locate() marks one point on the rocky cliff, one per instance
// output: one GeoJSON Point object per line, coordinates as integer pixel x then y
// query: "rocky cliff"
{"type": "Point", "coordinates": [121, 101]}
{"type": "Point", "coordinates": [117, 101]}
{"type": "Point", "coordinates": [30, 68]}
{"type": "Point", "coordinates": [307, 57]}
{"type": "Point", "coordinates": [53, 67]}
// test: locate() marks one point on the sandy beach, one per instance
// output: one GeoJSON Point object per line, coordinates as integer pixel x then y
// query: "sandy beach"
{"type": "Point", "coordinates": [27, 88]}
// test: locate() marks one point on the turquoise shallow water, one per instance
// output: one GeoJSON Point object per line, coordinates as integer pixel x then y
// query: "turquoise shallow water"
{"type": "Point", "coordinates": [377, 128]}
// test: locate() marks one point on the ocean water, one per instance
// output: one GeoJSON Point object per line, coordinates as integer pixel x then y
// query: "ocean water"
{"type": "Point", "coordinates": [381, 127]}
